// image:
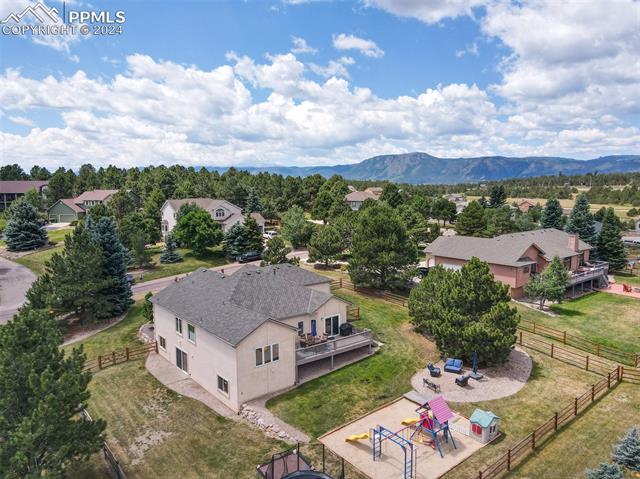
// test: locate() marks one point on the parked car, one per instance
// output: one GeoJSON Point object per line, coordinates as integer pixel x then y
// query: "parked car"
{"type": "Point", "coordinates": [249, 256]}
{"type": "Point", "coordinates": [270, 234]}
{"type": "Point", "coordinates": [131, 279]}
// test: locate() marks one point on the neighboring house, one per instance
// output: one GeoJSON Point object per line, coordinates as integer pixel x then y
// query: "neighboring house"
{"type": "Point", "coordinates": [484, 426]}
{"type": "Point", "coordinates": [459, 199]}
{"type": "Point", "coordinates": [12, 190]}
{"type": "Point", "coordinates": [240, 336]}
{"type": "Point", "coordinates": [525, 205]}
{"type": "Point", "coordinates": [514, 257]}
{"type": "Point", "coordinates": [225, 213]}
{"type": "Point", "coordinates": [67, 210]}
{"type": "Point", "coordinates": [356, 198]}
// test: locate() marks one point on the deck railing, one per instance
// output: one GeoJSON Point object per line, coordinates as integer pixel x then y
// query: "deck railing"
{"type": "Point", "coordinates": [360, 338]}
{"type": "Point", "coordinates": [596, 270]}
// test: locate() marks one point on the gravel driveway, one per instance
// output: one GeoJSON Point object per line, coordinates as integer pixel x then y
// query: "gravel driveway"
{"type": "Point", "coordinates": [15, 281]}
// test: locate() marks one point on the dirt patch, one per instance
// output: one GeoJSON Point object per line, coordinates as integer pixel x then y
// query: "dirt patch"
{"type": "Point", "coordinates": [142, 443]}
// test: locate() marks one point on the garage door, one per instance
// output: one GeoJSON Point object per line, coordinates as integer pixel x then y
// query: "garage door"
{"type": "Point", "coordinates": [61, 218]}
{"type": "Point", "coordinates": [455, 267]}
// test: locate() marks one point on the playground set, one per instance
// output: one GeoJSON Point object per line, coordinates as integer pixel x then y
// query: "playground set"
{"type": "Point", "coordinates": [420, 446]}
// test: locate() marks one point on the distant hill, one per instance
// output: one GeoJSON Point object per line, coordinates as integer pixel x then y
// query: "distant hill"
{"type": "Point", "coordinates": [424, 168]}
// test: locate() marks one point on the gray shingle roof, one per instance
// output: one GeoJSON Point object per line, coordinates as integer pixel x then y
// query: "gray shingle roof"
{"type": "Point", "coordinates": [231, 307]}
{"type": "Point", "coordinates": [204, 203]}
{"type": "Point", "coordinates": [506, 249]}
{"type": "Point", "coordinates": [95, 195]}
{"type": "Point", "coordinates": [21, 186]}
{"type": "Point", "coordinates": [360, 196]}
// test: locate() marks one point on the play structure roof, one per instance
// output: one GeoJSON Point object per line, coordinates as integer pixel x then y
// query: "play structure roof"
{"type": "Point", "coordinates": [482, 417]}
{"type": "Point", "coordinates": [440, 409]}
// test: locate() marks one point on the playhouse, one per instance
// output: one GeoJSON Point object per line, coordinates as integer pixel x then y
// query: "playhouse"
{"type": "Point", "coordinates": [409, 438]}
{"type": "Point", "coordinates": [484, 426]}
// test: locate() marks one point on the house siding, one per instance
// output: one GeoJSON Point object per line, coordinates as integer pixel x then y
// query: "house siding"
{"type": "Point", "coordinates": [330, 308]}
{"type": "Point", "coordinates": [61, 213]}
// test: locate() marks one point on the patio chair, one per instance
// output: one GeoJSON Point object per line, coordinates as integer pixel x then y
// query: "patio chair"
{"type": "Point", "coordinates": [463, 380]}
{"type": "Point", "coordinates": [434, 371]}
{"type": "Point", "coordinates": [453, 365]}
{"type": "Point", "coordinates": [431, 385]}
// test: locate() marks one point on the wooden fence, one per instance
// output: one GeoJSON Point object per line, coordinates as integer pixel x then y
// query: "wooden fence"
{"type": "Point", "coordinates": [623, 357]}
{"type": "Point", "coordinates": [116, 468]}
{"type": "Point", "coordinates": [395, 298]}
{"type": "Point", "coordinates": [118, 357]}
{"type": "Point", "coordinates": [526, 446]}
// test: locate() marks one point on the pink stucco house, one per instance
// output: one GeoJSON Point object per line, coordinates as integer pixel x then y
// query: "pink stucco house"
{"type": "Point", "coordinates": [514, 258]}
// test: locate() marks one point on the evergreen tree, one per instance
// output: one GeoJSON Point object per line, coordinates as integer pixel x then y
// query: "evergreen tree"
{"type": "Point", "coordinates": [497, 196]}
{"type": "Point", "coordinates": [500, 221]}
{"type": "Point", "coordinates": [391, 194]}
{"type": "Point", "coordinates": [581, 221]}
{"type": "Point", "coordinates": [552, 215]}
{"type": "Point", "coordinates": [121, 204]}
{"type": "Point", "coordinates": [330, 202]}
{"type": "Point", "coordinates": [252, 234]}
{"type": "Point", "coordinates": [550, 285]}
{"type": "Point", "coordinates": [24, 229]}
{"type": "Point", "coordinates": [197, 230]}
{"type": "Point", "coordinates": [627, 451]}
{"type": "Point", "coordinates": [116, 258]}
{"type": "Point", "coordinates": [42, 390]}
{"type": "Point", "coordinates": [139, 252]}
{"type": "Point", "coordinates": [252, 204]}
{"type": "Point", "coordinates": [466, 311]}
{"type": "Point", "coordinates": [609, 245]}
{"type": "Point", "coordinates": [276, 252]}
{"type": "Point", "coordinates": [483, 202]}
{"type": "Point", "coordinates": [99, 211]}
{"type": "Point", "coordinates": [234, 243]}
{"type": "Point", "coordinates": [382, 254]}
{"type": "Point", "coordinates": [604, 471]}
{"type": "Point", "coordinates": [169, 254]}
{"type": "Point", "coordinates": [76, 286]}
{"type": "Point", "coordinates": [152, 215]}
{"type": "Point", "coordinates": [472, 222]}
{"type": "Point", "coordinates": [345, 224]}
{"type": "Point", "coordinates": [295, 227]}
{"type": "Point", "coordinates": [147, 307]}
{"type": "Point", "coordinates": [325, 245]}
{"type": "Point", "coordinates": [34, 198]}
{"type": "Point", "coordinates": [12, 173]}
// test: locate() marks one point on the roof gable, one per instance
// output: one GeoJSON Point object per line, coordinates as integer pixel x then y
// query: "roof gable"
{"type": "Point", "coordinates": [482, 417]}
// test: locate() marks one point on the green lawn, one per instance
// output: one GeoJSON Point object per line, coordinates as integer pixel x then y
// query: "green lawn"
{"type": "Point", "coordinates": [628, 278]}
{"type": "Point", "coordinates": [190, 262]}
{"type": "Point", "coordinates": [57, 236]}
{"type": "Point", "coordinates": [35, 261]}
{"type": "Point", "coordinates": [608, 319]}
{"type": "Point", "coordinates": [335, 398]}
{"type": "Point", "coordinates": [597, 429]}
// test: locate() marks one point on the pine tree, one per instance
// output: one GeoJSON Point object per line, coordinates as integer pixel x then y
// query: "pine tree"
{"type": "Point", "coordinates": [610, 247]}
{"type": "Point", "coordinates": [24, 229]}
{"type": "Point", "coordinates": [147, 307]}
{"type": "Point", "coordinates": [252, 205]}
{"type": "Point", "coordinates": [497, 196]}
{"type": "Point", "coordinates": [169, 254]}
{"type": "Point", "coordinates": [604, 471]}
{"type": "Point", "coordinates": [252, 235]}
{"type": "Point", "coordinates": [295, 227]}
{"type": "Point", "coordinates": [116, 258]}
{"type": "Point", "coordinates": [472, 222]}
{"type": "Point", "coordinates": [500, 221]}
{"type": "Point", "coordinates": [139, 252]}
{"type": "Point", "coordinates": [276, 252]}
{"type": "Point", "coordinates": [234, 242]}
{"type": "Point", "coordinates": [552, 215]}
{"type": "Point", "coordinates": [581, 221]}
{"type": "Point", "coordinates": [627, 451]}
{"type": "Point", "coordinates": [325, 245]}
{"type": "Point", "coordinates": [42, 390]}
{"type": "Point", "coordinates": [74, 279]}
{"type": "Point", "coordinates": [550, 285]}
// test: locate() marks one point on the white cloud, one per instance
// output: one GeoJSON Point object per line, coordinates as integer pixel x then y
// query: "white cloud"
{"type": "Point", "coordinates": [351, 42]}
{"type": "Point", "coordinates": [300, 45]}
{"type": "Point", "coordinates": [333, 68]}
{"type": "Point", "coordinates": [469, 49]}
{"type": "Point", "coordinates": [21, 120]}
{"type": "Point", "coordinates": [427, 11]}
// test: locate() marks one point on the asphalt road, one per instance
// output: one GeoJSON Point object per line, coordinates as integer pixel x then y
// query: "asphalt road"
{"type": "Point", "coordinates": [15, 281]}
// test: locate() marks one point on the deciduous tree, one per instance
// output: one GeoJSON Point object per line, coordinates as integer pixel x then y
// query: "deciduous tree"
{"type": "Point", "coordinates": [197, 230]}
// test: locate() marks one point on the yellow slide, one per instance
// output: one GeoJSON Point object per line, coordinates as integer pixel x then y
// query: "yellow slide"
{"type": "Point", "coordinates": [357, 437]}
{"type": "Point", "coordinates": [410, 420]}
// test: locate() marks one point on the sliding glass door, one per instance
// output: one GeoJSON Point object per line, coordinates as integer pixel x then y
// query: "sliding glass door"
{"type": "Point", "coordinates": [181, 360]}
{"type": "Point", "coordinates": [332, 325]}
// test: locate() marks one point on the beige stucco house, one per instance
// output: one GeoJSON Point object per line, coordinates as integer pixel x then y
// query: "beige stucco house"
{"type": "Point", "coordinates": [245, 335]}
{"type": "Point", "coordinates": [356, 198]}
{"type": "Point", "coordinates": [514, 258]}
{"type": "Point", "coordinates": [225, 213]}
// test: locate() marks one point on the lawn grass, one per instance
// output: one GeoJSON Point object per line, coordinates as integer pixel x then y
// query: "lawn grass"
{"type": "Point", "coordinates": [333, 399]}
{"type": "Point", "coordinates": [608, 319]}
{"type": "Point", "coordinates": [551, 386]}
{"type": "Point", "coordinates": [595, 431]}
{"type": "Point", "coordinates": [627, 278]}
{"type": "Point", "coordinates": [155, 432]}
{"type": "Point", "coordinates": [115, 338]}
{"type": "Point", "coordinates": [57, 236]}
{"type": "Point", "coordinates": [190, 262]}
{"type": "Point", "coordinates": [35, 261]}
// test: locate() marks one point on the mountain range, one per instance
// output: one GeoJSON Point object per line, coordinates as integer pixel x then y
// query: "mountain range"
{"type": "Point", "coordinates": [423, 168]}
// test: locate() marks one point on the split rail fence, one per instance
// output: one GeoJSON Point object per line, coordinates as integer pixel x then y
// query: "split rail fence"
{"type": "Point", "coordinates": [118, 357]}
{"type": "Point", "coordinates": [116, 468]}
{"type": "Point", "coordinates": [527, 445]}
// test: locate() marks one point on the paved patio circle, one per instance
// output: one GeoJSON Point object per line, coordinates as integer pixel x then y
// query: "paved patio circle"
{"type": "Point", "coordinates": [498, 382]}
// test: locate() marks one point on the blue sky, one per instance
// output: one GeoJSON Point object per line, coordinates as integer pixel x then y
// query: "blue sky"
{"type": "Point", "coordinates": [306, 82]}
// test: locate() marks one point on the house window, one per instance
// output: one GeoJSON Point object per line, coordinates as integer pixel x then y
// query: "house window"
{"type": "Point", "coordinates": [163, 343]}
{"type": "Point", "coordinates": [267, 354]}
{"type": "Point", "coordinates": [332, 325]}
{"type": "Point", "coordinates": [258, 356]}
{"type": "Point", "coordinates": [179, 326]}
{"type": "Point", "coordinates": [191, 333]}
{"type": "Point", "coordinates": [223, 385]}
{"type": "Point", "coordinates": [300, 328]}
{"type": "Point", "coordinates": [219, 213]}
{"type": "Point", "coordinates": [492, 429]}
{"type": "Point", "coordinates": [275, 352]}
{"type": "Point", "coordinates": [526, 269]}
{"type": "Point", "coordinates": [567, 263]}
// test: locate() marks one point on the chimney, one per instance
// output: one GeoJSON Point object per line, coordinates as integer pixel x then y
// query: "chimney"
{"type": "Point", "coordinates": [574, 243]}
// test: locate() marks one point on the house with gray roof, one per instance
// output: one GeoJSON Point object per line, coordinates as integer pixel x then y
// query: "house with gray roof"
{"type": "Point", "coordinates": [513, 258]}
{"type": "Point", "coordinates": [66, 210]}
{"type": "Point", "coordinates": [11, 190]}
{"type": "Point", "coordinates": [245, 335]}
{"type": "Point", "coordinates": [225, 213]}
{"type": "Point", "coordinates": [356, 198]}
